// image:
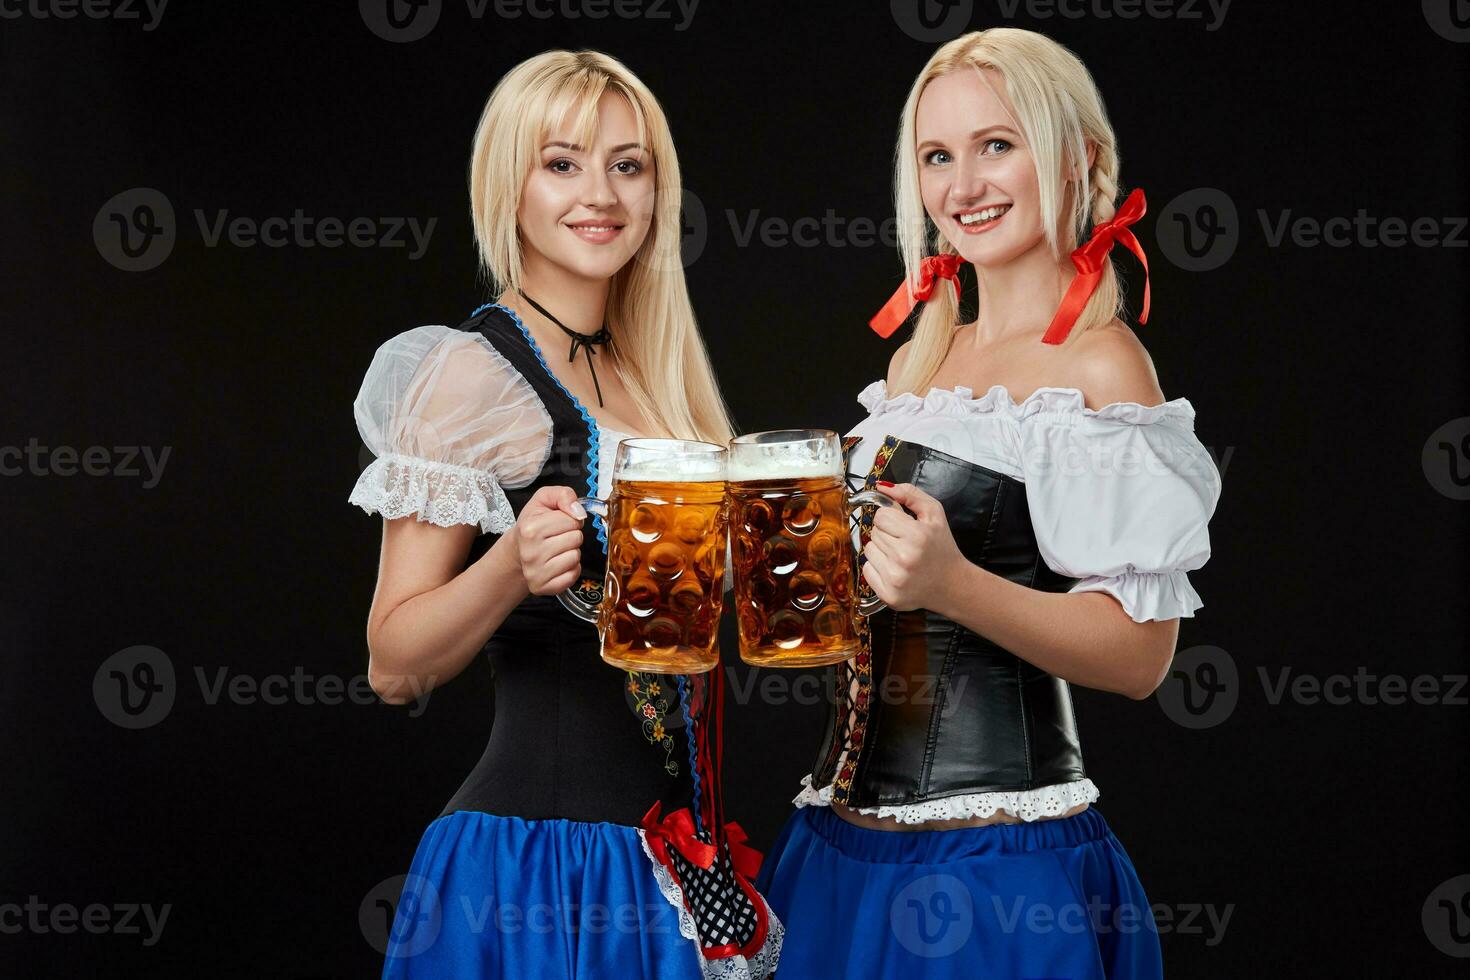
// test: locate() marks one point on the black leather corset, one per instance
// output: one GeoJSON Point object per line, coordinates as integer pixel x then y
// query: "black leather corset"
{"type": "Point", "coordinates": [929, 708]}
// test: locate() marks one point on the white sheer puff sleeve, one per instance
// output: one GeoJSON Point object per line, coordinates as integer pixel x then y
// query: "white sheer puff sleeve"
{"type": "Point", "coordinates": [1121, 498]}
{"type": "Point", "coordinates": [452, 424]}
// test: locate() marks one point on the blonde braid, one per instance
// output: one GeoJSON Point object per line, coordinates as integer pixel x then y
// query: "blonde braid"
{"type": "Point", "coordinates": [1103, 177]}
{"type": "Point", "coordinates": [1106, 301]}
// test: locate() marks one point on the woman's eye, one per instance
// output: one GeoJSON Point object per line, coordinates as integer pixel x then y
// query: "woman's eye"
{"type": "Point", "coordinates": [994, 147]}
{"type": "Point", "coordinates": [561, 165]}
{"type": "Point", "coordinates": [936, 157]}
{"type": "Point", "coordinates": [628, 167]}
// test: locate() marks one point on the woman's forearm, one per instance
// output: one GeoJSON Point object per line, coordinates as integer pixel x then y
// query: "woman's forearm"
{"type": "Point", "coordinates": [429, 638]}
{"type": "Point", "coordinates": [1085, 638]}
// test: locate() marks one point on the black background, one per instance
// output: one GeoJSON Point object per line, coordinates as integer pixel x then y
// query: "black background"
{"type": "Point", "coordinates": [1319, 374]}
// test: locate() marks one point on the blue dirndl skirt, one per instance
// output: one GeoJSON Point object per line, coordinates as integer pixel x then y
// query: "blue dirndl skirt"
{"type": "Point", "coordinates": [503, 897]}
{"type": "Point", "coordinates": [1049, 899]}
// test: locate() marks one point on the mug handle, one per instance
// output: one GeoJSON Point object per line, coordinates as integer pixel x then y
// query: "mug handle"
{"type": "Point", "coordinates": [572, 602]}
{"type": "Point", "coordinates": [871, 604]}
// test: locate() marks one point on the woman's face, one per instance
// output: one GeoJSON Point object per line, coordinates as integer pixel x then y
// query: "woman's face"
{"type": "Point", "coordinates": [976, 175]}
{"type": "Point", "coordinates": [587, 209]}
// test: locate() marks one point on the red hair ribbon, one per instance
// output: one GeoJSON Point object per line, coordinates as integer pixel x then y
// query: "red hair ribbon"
{"type": "Point", "coordinates": [902, 303]}
{"type": "Point", "coordinates": [676, 829]}
{"type": "Point", "coordinates": [1089, 260]}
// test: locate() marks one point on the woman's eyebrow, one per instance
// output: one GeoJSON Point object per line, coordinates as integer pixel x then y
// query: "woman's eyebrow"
{"type": "Point", "coordinates": [578, 147]}
{"type": "Point", "coordinates": [977, 134]}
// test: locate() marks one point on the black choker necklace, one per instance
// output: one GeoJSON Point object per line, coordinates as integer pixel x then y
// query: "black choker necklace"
{"type": "Point", "coordinates": [586, 341]}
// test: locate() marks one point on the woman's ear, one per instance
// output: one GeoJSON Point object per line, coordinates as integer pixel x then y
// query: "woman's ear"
{"type": "Point", "coordinates": [1091, 153]}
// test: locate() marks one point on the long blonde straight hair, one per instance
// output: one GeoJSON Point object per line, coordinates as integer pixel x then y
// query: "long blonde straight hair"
{"type": "Point", "coordinates": [663, 360]}
{"type": "Point", "coordinates": [1060, 113]}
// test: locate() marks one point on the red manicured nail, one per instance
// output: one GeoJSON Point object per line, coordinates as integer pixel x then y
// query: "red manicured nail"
{"type": "Point", "coordinates": [885, 483]}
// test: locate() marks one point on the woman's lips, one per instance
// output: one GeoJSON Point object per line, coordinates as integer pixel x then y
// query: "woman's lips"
{"type": "Point", "coordinates": [980, 227]}
{"type": "Point", "coordinates": [596, 234]}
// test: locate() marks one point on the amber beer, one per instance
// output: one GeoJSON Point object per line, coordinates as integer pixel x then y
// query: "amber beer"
{"type": "Point", "coordinates": [666, 531]}
{"type": "Point", "coordinates": [795, 573]}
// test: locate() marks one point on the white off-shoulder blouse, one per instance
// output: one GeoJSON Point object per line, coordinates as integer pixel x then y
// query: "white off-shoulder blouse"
{"type": "Point", "coordinates": [1120, 498]}
{"type": "Point", "coordinates": [453, 424]}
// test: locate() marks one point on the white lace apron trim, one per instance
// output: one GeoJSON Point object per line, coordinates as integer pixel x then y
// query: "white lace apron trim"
{"type": "Point", "coordinates": [737, 967]}
{"type": "Point", "coordinates": [1028, 804]}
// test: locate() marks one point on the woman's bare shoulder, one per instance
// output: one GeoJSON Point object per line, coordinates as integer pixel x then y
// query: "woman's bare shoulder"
{"type": "Point", "coordinates": [1112, 365]}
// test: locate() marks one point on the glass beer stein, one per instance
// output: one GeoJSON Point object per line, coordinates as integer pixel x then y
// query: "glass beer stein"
{"type": "Point", "coordinates": [795, 567]}
{"type": "Point", "coordinates": [666, 535]}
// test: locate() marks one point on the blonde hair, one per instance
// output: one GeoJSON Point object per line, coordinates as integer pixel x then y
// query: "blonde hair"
{"type": "Point", "coordinates": [663, 361]}
{"type": "Point", "coordinates": [1060, 113]}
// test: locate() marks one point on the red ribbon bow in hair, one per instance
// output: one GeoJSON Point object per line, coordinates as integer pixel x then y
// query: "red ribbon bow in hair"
{"type": "Point", "coordinates": [676, 829]}
{"type": "Point", "coordinates": [902, 303]}
{"type": "Point", "coordinates": [1089, 259]}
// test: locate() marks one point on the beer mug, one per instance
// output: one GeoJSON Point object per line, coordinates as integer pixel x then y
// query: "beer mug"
{"type": "Point", "coordinates": [666, 535]}
{"type": "Point", "coordinates": [795, 568]}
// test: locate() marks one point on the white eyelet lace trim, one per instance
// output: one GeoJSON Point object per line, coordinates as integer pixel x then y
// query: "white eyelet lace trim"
{"type": "Point", "coordinates": [440, 493]}
{"type": "Point", "coordinates": [1028, 804]}
{"type": "Point", "coordinates": [737, 967]}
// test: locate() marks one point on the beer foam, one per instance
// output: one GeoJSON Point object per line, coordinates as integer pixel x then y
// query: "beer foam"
{"type": "Point", "coordinates": [781, 461]}
{"type": "Point", "coordinates": [702, 468]}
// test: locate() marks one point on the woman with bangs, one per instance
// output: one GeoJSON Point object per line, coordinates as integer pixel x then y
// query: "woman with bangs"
{"type": "Point", "coordinates": [1053, 503]}
{"type": "Point", "coordinates": [589, 840]}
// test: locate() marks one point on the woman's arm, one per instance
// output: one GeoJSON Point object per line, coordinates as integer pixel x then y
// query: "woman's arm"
{"type": "Point", "coordinates": [431, 614]}
{"type": "Point", "coordinates": [1085, 638]}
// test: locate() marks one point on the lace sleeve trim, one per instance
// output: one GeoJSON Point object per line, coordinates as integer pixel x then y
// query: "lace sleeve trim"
{"type": "Point", "coordinates": [442, 494]}
{"type": "Point", "coordinates": [1029, 804]}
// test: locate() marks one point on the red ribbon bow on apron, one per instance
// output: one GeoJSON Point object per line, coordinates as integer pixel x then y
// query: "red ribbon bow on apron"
{"type": "Point", "coordinates": [1089, 259]}
{"type": "Point", "coordinates": [932, 269]}
{"type": "Point", "coordinates": [677, 830]}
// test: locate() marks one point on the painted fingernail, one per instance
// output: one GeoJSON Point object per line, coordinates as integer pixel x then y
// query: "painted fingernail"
{"type": "Point", "coordinates": [578, 511]}
{"type": "Point", "coordinates": [885, 483]}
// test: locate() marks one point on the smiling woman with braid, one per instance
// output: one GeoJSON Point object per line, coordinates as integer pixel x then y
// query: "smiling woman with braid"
{"type": "Point", "coordinates": [1053, 504]}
